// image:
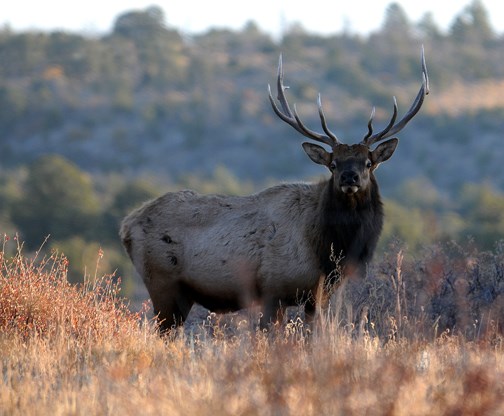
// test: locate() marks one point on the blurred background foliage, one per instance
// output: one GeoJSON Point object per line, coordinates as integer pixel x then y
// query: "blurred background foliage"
{"type": "Point", "coordinates": [92, 126]}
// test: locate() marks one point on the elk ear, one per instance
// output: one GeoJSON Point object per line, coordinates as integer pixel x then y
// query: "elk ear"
{"type": "Point", "coordinates": [317, 153]}
{"type": "Point", "coordinates": [384, 151]}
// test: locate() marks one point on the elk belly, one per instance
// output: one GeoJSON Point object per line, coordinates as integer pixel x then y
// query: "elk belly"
{"type": "Point", "coordinates": [232, 286]}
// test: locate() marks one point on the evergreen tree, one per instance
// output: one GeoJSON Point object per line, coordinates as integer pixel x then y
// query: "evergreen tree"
{"type": "Point", "coordinates": [396, 22]}
{"type": "Point", "coordinates": [58, 200]}
{"type": "Point", "coordinates": [428, 28]}
{"type": "Point", "coordinates": [473, 24]}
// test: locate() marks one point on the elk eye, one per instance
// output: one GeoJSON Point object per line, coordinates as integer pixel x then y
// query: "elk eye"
{"type": "Point", "coordinates": [369, 164]}
{"type": "Point", "coordinates": [332, 166]}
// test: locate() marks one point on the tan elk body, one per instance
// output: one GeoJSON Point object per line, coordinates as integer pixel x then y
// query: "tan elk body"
{"type": "Point", "coordinates": [226, 252]}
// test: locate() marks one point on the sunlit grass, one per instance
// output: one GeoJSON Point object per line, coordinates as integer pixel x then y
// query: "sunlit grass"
{"type": "Point", "coordinates": [79, 350]}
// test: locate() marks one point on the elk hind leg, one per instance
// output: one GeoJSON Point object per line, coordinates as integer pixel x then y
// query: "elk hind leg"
{"type": "Point", "coordinates": [273, 313]}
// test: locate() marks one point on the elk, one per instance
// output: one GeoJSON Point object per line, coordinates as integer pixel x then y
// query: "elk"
{"type": "Point", "coordinates": [272, 247]}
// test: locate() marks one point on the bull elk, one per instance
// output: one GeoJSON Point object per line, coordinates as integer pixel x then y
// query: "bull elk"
{"type": "Point", "coordinates": [226, 252]}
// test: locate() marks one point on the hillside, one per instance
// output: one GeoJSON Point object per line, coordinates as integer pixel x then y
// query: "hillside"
{"type": "Point", "coordinates": [148, 99]}
{"type": "Point", "coordinates": [462, 98]}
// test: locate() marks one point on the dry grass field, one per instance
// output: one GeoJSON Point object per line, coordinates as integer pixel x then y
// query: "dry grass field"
{"type": "Point", "coordinates": [417, 337]}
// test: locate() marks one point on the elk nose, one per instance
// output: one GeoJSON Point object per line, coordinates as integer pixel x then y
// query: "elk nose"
{"type": "Point", "coordinates": [349, 177]}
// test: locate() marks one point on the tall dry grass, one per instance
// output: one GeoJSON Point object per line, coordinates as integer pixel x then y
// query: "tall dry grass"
{"type": "Point", "coordinates": [79, 350]}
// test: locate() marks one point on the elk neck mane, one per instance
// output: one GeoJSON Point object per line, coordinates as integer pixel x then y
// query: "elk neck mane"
{"type": "Point", "coordinates": [351, 224]}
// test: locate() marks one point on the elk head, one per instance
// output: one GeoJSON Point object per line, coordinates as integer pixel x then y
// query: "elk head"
{"type": "Point", "coordinates": [352, 166]}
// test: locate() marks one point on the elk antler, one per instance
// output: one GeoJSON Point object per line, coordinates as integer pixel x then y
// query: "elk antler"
{"type": "Point", "coordinates": [292, 117]}
{"type": "Point", "coordinates": [392, 128]}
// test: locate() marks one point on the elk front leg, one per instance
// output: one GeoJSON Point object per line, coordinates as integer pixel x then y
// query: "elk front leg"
{"type": "Point", "coordinates": [171, 307]}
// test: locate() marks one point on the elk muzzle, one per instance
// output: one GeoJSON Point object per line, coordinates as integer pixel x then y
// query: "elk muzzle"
{"type": "Point", "coordinates": [349, 182]}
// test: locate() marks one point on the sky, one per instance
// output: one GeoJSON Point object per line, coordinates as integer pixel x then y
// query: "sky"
{"type": "Point", "coordinates": [196, 16]}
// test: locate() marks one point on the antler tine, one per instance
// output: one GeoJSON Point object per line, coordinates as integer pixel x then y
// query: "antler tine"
{"type": "Point", "coordinates": [392, 128]}
{"type": "Point", "coordinates": [369, 140]}
{"type": "Point", "coordinates": [370, 125]}
{"type": "Point", "coordinates": [292, 118]}
{"type": "Point", "coordinates": [281, 88]}
{"type": "Point", "coordinates": [331, 139]}
{"type": "Point", "coordinates": [424, 73]}
{"type": "Point", "coordinates": [324, 122]}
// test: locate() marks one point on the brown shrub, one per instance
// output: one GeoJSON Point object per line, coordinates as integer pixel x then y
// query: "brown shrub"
{"type": "Point", "coordinates": [36, 299]}
{"type": "Point", "coordinates": [445, 289]}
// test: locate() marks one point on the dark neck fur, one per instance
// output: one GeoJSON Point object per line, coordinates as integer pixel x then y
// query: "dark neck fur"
{"type": "Point", "coordinates": [351, 223]}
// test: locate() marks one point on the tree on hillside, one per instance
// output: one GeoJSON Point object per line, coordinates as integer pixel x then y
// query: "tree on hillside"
{"type": "Point", "coordinates": [395, 38]}
{"type": "Point", "coordinates": [473, 24]}
{"type": "Point", "coordinates": [66, 52]}
{"type": "Point", "coordinates": [130, 196]}
{"type": "Point", "coordinates": [428, 27]}
{"type": "Point", "coordinates": [159, 48]}
{"type": "Point", "coordinates": [58, 199]}
{"type": "Point", "coordinates": [140, 23]}
{"type": "Point", "coordinates": [396, 22]}
{"type": "Point", "coordinates": [22, 54]}
{"type": "Point", "coordinates": [483, 211]}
